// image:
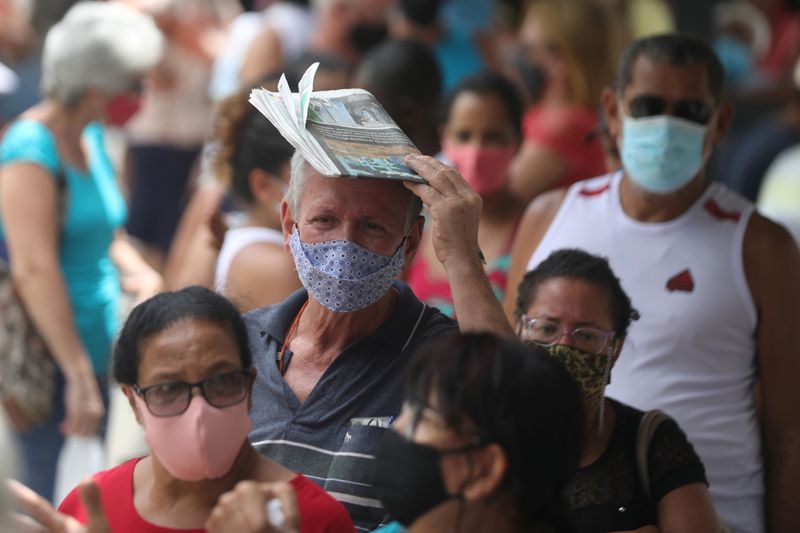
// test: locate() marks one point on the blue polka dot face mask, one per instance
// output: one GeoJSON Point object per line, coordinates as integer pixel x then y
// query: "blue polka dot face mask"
{"type": "Point", "coordinates": [343, 276]}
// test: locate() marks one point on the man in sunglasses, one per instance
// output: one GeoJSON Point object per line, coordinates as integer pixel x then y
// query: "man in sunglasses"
{"type": "Point", "coordinates": [717, 284]}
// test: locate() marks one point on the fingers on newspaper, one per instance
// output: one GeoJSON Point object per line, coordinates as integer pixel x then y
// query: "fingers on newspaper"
{"type": "Point", "coordinates": [340, 133]}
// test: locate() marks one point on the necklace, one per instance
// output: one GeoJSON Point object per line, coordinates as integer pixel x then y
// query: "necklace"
{"type": "Point", "coordinates": [280, 356]}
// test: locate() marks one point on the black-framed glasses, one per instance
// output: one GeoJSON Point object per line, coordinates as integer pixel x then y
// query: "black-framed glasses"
{"type": "Point", "coordinates": [547, 333]}
{"type": "Point", "coordinates": [647, 105]}
{"type": "Point", "coordinates": [173, 398]}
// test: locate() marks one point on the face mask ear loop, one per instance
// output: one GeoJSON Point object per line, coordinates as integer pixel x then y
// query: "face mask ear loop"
{"type": "Point", "coordinates": [462, 500]}
{"type": "Point", "coordinates": [601, 410]}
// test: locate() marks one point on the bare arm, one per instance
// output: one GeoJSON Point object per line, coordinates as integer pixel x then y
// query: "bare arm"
{"type": "Point", "coordinates": [772, 264]}
{"type": "Point", "coordinates": [455, 211]}
{"type": "Point", "coordinates": [28, 200]}
{"type": "Point", "coordinates": [535, 170]}
{"type": "Point", "coordinates": [534, 224]}
{"type": "Point", "coordinates": [261, 274]}
{"type": "Point", "coordinates": [687, 509]}
{"type": "Point", "coordinates": [263, 57]}
{"type": "Point", "coordinates": [192, 255]}
{"type": "Point", "coordinates": [137, 276]}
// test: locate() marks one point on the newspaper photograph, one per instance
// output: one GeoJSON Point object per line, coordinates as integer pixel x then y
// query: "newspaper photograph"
{"type": "Point", "coordinates": [360, 137]}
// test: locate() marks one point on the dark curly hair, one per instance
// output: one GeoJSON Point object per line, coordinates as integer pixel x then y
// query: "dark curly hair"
{"type": "Point", "coordinates": [166, 309]}
{"type": "Point", "coordinates": [518, 397]}
{"type": "Point", "coordinates": [578, 264]}
{"type": "Point", "coordinates": [245, 140]}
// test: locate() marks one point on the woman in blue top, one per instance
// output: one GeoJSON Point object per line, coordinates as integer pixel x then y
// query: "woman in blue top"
{"type": "Point", "coordinates": [61, 210]}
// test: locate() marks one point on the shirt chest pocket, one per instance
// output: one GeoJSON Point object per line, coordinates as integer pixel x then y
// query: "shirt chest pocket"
{"type": "Point", "coordinates": [354, 459]}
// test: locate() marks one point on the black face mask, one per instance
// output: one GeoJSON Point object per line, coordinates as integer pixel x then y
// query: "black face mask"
{"type": "Point", "coordinates": [408, 478]}
{"type": "Point", "coordinates": [366, 36]}
{"type": "Point", "coordinates": [533, 76]}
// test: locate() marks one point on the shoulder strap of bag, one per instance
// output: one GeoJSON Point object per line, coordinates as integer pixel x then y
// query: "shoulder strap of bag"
{"type": "Point", "coordinates": [644, 436]}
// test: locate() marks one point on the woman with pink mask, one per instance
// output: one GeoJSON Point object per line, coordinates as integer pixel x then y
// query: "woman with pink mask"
{"type": "Point", "coordinates": [480, 136]}
{"type": "Point", "coordinates": [183, 360]}
{"type": "Point", "coordinates": [62, 216]}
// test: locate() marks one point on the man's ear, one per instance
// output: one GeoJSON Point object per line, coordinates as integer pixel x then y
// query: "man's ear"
{"type": "Point", "coordinates": [414, 239]}
{"type": "Point", "coordinates": [128, 391]}
{"type": "Point", "coordinates": [287, 222]}
{"type": "Point", "coordinates": [610, 103]}
{"type": "Point", "coordinates": [724, 119]}
{"type": "Point", "coordinates": [490, 465]}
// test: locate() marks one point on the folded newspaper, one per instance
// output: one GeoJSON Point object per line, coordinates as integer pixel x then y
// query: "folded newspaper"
{"type": "Point", "coordinates": [340, 133]}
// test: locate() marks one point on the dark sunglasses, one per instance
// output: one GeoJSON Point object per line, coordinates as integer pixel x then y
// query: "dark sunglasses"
{"type": "Point", "coordinates": [696, 111]}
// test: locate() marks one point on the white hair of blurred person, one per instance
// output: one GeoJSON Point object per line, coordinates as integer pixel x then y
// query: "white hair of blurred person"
{"type": "Point", "coordinates": [300, 172]}
{"type": "Point", "coordinates": [98, 45]}
{"type": "Point", "coordinates": [8, 470]}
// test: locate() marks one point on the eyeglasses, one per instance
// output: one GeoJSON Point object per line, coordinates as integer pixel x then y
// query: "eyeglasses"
{"type": "Point", "coordinates": [547, 333]}
{"type": "Point", "coordinates": [174, 397]}
{"type": "Point", "coordinates": [696, 111]}
{"type": "Point", "coordinates": [419, 411]}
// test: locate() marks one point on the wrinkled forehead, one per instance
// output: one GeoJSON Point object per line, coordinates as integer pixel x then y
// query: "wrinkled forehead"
{"type": "Point", "coordinates": [673, 82]}
{"type": "Point", "coordinates": [382, 198]}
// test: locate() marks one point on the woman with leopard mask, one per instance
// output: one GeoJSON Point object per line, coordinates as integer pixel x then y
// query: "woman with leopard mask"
{"type": "Point", "coordinates": [631, 478]}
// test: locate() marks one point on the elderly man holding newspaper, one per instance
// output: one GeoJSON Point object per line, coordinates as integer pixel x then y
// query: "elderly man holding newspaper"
{"type": "Point", "coordinates": [330, 358]}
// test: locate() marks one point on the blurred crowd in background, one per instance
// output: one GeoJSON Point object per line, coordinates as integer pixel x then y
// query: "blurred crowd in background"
{"type": "Point", "coordinates": [561, 58]}
{"type": "Point", "coordinates": [201, 174]}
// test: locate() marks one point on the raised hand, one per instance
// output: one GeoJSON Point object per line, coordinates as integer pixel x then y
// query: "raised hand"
{"type": "Point", "coordinates": [244, 509]}
{"type": "Point", "coordinates": [43, 518]}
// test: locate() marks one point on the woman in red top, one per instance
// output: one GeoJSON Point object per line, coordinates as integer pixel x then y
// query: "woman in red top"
{"type": "Point", "coordinates": [570, 44]}
{"type": "Point", "coordinates": [184, 362]}
{"type": "Point", "coordinates": [480, 136]}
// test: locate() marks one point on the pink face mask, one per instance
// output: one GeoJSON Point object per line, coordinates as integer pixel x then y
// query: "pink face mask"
{"type": "Point", "coordinates": [484, 167]}
{"type": "Point", "coordinates": [201, 443]}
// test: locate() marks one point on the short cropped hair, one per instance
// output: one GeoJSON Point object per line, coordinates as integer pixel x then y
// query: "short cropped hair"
{"type": "Point", "coordinates": [674, 49]}
{"type": "Point", "coordinates": [167, 309]}
{"type": "Point", "coordinates": [104, 45]}
{"type": "Point", "coordinates": [581, 265]}
{"type": "Point", "coordinates": [301, 170]}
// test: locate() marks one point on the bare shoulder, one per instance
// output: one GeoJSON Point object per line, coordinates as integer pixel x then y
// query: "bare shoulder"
{"type": "Point", "coordinates": [542, 210]}
{"type": "Point", "coordinates": [771, 256]}
{"type": "Point", "coordinates": [261, 274]}
{"type": "Point", "coordinates": [261, 259]}
{"type": "Point", "coordinates": [766, 240]}
{"type": "Point", "coordinates": [532, 228]}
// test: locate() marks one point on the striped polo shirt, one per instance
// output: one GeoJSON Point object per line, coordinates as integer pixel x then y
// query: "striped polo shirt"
{"type": "Point", "coordinates": [332, 437]}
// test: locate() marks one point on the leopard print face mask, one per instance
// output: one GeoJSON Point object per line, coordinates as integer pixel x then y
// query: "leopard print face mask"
{"type": "Point", "coordinates": [589, 370]}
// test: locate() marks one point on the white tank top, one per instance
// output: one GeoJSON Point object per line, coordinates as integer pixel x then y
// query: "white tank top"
{"type": "Point", "coordinates": [236, 240]}
{"type": "Point", "coordinates": [692, 353]}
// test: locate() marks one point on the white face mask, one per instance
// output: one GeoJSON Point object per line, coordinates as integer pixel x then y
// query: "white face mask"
{"type": "Point", "coordinates": [343, 276]}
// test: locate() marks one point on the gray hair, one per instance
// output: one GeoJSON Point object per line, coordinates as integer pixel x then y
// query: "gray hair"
{"type": "Point", "coordinates": [104, 45]}
{"type": "Point", "coordinates": [301, 170]}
